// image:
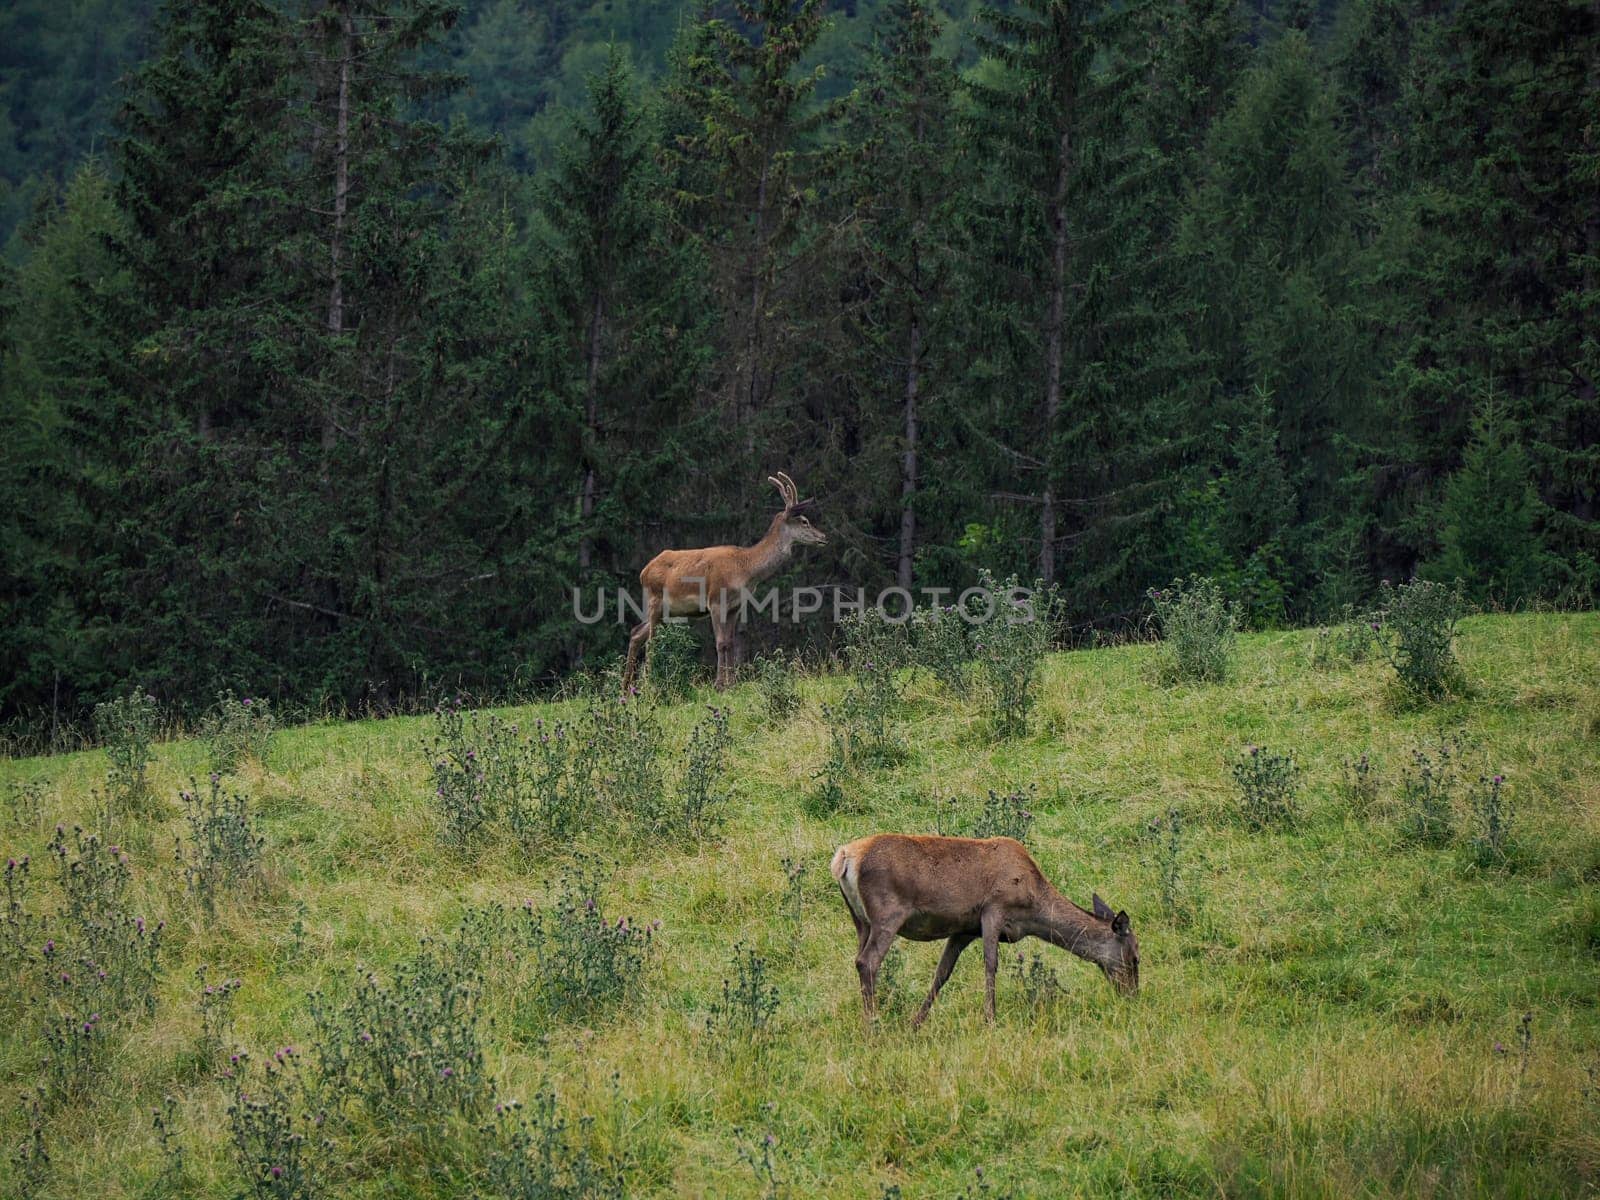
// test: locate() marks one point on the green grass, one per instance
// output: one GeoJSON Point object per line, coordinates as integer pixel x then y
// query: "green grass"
{"type": "Point", "coordinates": [1324, 1024]}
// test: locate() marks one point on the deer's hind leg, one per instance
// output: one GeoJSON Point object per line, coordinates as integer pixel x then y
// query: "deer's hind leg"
{"type": "Point", "coordinates": [640, 638]}
{"type": "Point", "coordinates": [880, 936]}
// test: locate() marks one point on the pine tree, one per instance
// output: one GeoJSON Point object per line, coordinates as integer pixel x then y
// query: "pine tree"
{"type": "Point", "coordinates": [1489, 520]}
{"type": "Point", "coordinates": [626, 317]}
{"type": "Point", "coordinates": [902, 183]}
{"type": "Point", "coordinates": [744, 161]}
{"type": "Point", "coordinates": [1051, 126]}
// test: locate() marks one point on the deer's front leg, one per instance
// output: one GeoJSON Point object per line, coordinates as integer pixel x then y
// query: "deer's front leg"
{"type": "Point", "coordinates": [953, 947]}
{"type": "Point", "coordinates": [991, 960]}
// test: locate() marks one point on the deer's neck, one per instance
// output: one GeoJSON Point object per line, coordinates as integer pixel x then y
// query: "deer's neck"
{"type": "Point", "coordinates": [1062, 923]}
{"type": "Point", "coordinates": [768, 556]}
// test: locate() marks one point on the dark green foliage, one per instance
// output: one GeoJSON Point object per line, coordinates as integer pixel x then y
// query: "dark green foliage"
{"type": "Point", "coordinates": [1106, 293]}
{"type": "Point", "coordinates": [998, 814]}
{"type": "Point", "coordinates": [1489, 534]}
{"type": "Point", "coordinates": [536, 1155]}
{"type": "Point", "coordinates": [778, 682]}
{"type": "Point", "coordinates": [236, 730]}
{"type": "Point", "coordinates": [1492, 843]}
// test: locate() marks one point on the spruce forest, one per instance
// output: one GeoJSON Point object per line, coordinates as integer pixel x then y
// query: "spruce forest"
{"type": "Point", "coordinates": [343, 339]}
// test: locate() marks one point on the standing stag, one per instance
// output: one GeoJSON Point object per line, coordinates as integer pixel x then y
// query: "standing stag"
{"type": "Point", "coordinates": [714, 581]}
{"type": "Point", "coordinates": [932, 888]}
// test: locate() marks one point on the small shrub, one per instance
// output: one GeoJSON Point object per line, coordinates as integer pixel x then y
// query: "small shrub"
{"type": "Point", "coordinates": [1359, 784]}
{"type": "Point", "coordinates": [1353, 640]}
{"type": "Point", "coordinates": [999, 814]}
{"type": "Point", "coordinates": [20, 935]}
{"type": "Point", "coordinates": [269, 1145]}
{"type": "Point", "coordinates": [627, 743]}
{"type": "Point", "coordinates": [533, 1156]}
{"type": "Point", "coordinates": [126, 727]}
{"type": "Point", "coordinates": [477, 770]}
{"type": "Point", "coordinates": [164, 1121]}
{"type": "Point", "coordinates": [585, 961]}
{"type": "Point", "coordinates": [1491, 811]}
{"type": "Point", "coordinates": [874, 650]}
{"type": "Point", "coordinates": [830, 795]}
{"type": "Point", "coordinates": [672, 659]}
{"type": "Point", "coordinates": [562, 783]}
{"type": "Point", "coordinates": [216, 1016]}
{"type": "Point", "coordinates": [1268, 786]}
{"type": "Point", "coordinates": [30, 1160]}
{"type": "Point", "coordinates": [777, 682]}
{"type": "Point", "coordinates": [702, 791]}
{"type": "Point", "coordinates": [749, 999]}
{"type": "Point", "coordinates": [941, 640]}
{"type": "Point", "coordinates": [1041, 987]}
{"type": "Point", "coordinates": [408, 1052]}
{"type": "Point", "coordinates": [1165, 852]}
{"type": "Point", "coordinates": [25, 802]}
{"type": "Point", "coordinates": [1198, 631]}
{"type": "Point", "coordinates": [794, 893]}
{"type": "Point", "coordinates": [236, 730]}
{"type": "Point", "coordinates": [1010, 650]}
{"type": "Point", "coordinates": [118, 950]}
{"type": "Point", "coordinates": [1418, 635]}
{"type": "Point", "coordinates": [1427, 794]}
{"type": "Point", "coordinates": [223, 856]}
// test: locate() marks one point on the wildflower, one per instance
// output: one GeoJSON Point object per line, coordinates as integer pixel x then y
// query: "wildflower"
{"type": "Point", "coordinates": [1499, 778]}
{"type": "Point", "coordinates": [50, 946]}
{"type": "Point", "coordinates": [588, 905]}
{"type": "Point", "coordinates": [277, 1172]}
{"type": "Point", "coordinates": [1499, 1047]}
{"type": "Point", "coordinates": [447, 1072]}
{"type": "Point", "coordinates": [247, 701]}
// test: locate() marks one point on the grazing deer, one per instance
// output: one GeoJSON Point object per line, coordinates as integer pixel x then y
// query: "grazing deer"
{"type": "Point", "coordinates": [714, 581]}
{"type": "Point", "coordinates": [959, 889]}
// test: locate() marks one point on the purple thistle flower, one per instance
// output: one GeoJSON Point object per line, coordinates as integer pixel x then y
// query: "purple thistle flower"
{"type": "Point", "coordinates": [447, 1072]}
{"type": "Point", "coordinates": [1499, 778]}
{"type": "Point", "coordinates": [50, 946]}
{"type": "Point", "coordinates": [277, 1172]}
{"type": "Point", "coordinates": [247, 701]}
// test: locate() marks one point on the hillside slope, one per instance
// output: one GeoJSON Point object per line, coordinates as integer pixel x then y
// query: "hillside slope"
{"type": "Point", "coordinates": [1326, 1010]}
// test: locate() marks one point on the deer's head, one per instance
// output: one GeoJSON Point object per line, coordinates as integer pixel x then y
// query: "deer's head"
{"type": "Point", "coordinates": [1121, 961]}
{"type": "Point", "coordinates": [796, 514]}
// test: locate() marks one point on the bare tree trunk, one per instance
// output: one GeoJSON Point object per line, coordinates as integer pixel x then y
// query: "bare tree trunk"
{"type": "Point", "coordinates": [341, 194]}
{"type": "Point", "coordinates": [1052, 382]}
{"type": "Point", "coordinates": [908, 459]}
{"type": "Point", "coordinates": [591, 403]}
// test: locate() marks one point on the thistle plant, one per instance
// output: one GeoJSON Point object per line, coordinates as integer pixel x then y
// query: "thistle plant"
{"type": "Point", "coordinates": [999, 814]}
{"type": "Point", "coordinates": [270, 1145]}
{"type": "Point", "coordinates": [25, 802]}
{"type": "Point", "coordinates": [702, 791]}
{"type": "Point", "coordinates": [1198, 631]}
{"type": "Point", "coordinates": [1491, 811]}
{"type": "Point", "coordinates": [535, 1154]}
{"type": "Point", "coordinates": [1165, 852]}
{"type": "Point", "coordinates": [126, 727]}
{"type": "Point", "coordinates": [1010, 650]}
{"type": "Point", "coordinates": [1427, 793]}
{"type": "Point", "coordinates": [1359, 784]}
{"type": "Point", "coordinates": [1041, 987]}
{"type": "Point", "coordinates": [236, 730]}
{"type": "Point", "coordinates": [223, 853]}
{"type": "Point", "coordinates": [941, 639]}
{"type": "Point", "coordinates": [672, 659]}
{"type": "Point", "coordinates": [585, 960]}
{"type": "Point", "coordinates": [1268, 786]}
{"type": "Point", "coordinates": [749, 1000]}
{"type": "Point", "coordinates": [1418, 635]}
{"type": "Point", "coordinates": [777, 682]}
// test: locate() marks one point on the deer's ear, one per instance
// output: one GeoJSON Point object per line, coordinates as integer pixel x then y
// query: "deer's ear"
{"type": "Point", "coordinates": [1120, 923]}
{"type": "Point", "coordinates": [1101, 908]}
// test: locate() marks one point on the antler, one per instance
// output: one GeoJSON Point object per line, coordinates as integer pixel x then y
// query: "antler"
{"type": "Point", "coordinates": [786, 489]}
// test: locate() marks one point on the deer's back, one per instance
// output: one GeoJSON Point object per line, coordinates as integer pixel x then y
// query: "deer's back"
{"type": "Point", "coordinates": [951, 879]}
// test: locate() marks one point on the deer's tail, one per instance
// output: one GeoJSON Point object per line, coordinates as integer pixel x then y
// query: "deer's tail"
{"type": "Point", "coordinates": [846, 869]}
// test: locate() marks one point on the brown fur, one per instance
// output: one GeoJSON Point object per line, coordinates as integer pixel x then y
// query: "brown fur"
{"type": "Point", "coordinates": [712, 581]}
{"type": "Point", "coordinates": [960, 890]}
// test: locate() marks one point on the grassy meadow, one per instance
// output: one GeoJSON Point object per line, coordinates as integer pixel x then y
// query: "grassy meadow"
{"type": "Point", "coordinates": [1327, 1009]}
